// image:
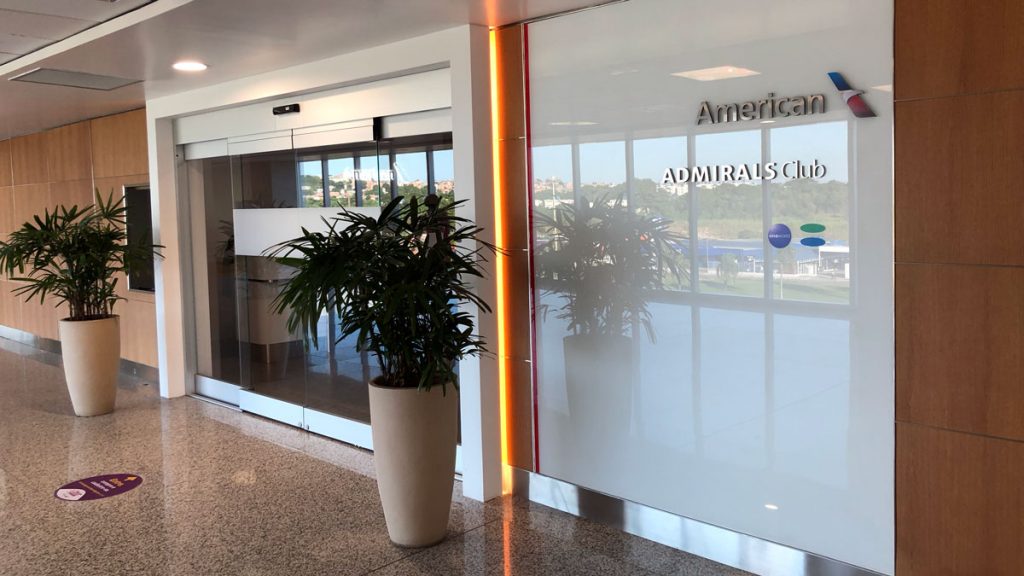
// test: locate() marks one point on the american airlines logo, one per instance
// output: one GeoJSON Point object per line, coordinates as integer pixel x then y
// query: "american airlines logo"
{"type": "Point", "coordinates": [772, 107]}
{"type": "Point", "coordinates": [852, 97]}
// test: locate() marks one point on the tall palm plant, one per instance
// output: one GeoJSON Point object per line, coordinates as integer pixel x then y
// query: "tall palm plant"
{"type": "Point", "coordinates": [395, 281]}
{"type": "Point", "coordinates": [76, 255]}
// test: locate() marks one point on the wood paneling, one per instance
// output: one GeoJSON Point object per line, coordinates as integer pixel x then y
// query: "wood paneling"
{"type": "Point", "coordinates": [69, 152]}
{"type": "Point", "coordinates": [28, 201]}
{"type": "Point", "coordinates": [960, 325]}
{"type": "Point", "coordinates": [138, 330]}
{"type": "Point", "coordinates": [958, 178]}
{"type": "Point", "coordinates": [6, 174]}
{"type": "Point", "coordinates": [960, 503]}
{"type": "Point", "coordinates": [71, 193]}
{"type": "Point", "coordinates": [960, 347]}
{"type": "Point", "coordinates": [6, 211]}
{"type": "Point", "coordinates": [952, 47]}
{"type": "Point", "coordinates": [29, 159]}
{"type": "Point", "coordinates": [119, 145]}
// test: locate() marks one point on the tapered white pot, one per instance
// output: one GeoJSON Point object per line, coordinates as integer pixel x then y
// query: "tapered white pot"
{"type": "Point", "coordinates": [92, 357]}
{"type": "Point", "coordinates": [414, 437]}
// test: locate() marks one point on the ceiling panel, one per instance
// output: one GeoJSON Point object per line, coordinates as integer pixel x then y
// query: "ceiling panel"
{"type": "Point", "coordinates": [20, 44]}
{"type": "Point", "coordinates": [40, 25]}
{"type": "Point", "coordinates": [91, 10]}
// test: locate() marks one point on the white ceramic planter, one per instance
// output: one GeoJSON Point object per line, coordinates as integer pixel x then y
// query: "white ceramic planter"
{"type": "Point", "coordinates": [92, 358]}
{"type": "Point", "coordinates": [414, 438]}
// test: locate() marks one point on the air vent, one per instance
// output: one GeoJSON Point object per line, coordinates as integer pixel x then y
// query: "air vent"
{"type": "Point", "coordinates": [73, 79]}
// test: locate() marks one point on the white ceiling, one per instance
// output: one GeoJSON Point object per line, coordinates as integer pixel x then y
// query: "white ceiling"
{"type": "Point", "coordinates": [27, 25]}
{"type": "Point", "coordinates": [237, 38]}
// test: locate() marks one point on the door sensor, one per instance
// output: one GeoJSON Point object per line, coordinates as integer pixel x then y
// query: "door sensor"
{"type": "Point", "coordinates": [287, 109]}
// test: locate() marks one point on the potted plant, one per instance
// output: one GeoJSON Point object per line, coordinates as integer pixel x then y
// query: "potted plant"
{"type": "Point", "coordinates": [598, 264]}
{"type": "Point", "coordinates": [395, 282]}
{"type": "Point", "coordinates": [77, 256]}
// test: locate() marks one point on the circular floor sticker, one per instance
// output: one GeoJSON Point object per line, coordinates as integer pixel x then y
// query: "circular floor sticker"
{"type": "Point", "coordinates": [98, 487]}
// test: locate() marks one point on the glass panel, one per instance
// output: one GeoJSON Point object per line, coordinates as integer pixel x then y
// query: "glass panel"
{"type": "Point", "coordinates": [218, 346]}
{"type": "Point", "coordinates": [730, 249]}
{"type": "Point", "coordinates": [411, 174]}
{"type": "Point", "coordinates": [669, 201]}
{"type": "Point", "coordinates": [552, 184]}
{"type": "Point", "coordinates": [602, 170]}
{"type": "Point", "coordinates": [811, 272]}
{"type": "Point", "coordinates": [342, 177]}
{"type": "Point", "coordinates": [311, 183]}
{"type": "Point", "coordinates": [444, 175]}
{"type": "Point", "coordinates": [266, 180]}
{"type": "Point", "coordinates": [368, 179]}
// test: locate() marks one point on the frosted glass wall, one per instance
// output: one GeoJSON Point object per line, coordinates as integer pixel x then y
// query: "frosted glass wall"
{"type": "Point", "coordinates": [714, 329]}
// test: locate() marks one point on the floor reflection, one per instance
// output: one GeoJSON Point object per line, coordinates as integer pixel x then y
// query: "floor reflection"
{"type": "Point", "coordinates": [229, 493]}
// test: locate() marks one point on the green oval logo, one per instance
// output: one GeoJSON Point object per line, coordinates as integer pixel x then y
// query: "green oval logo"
{"type": "Point", "coordinates": [812, 228]}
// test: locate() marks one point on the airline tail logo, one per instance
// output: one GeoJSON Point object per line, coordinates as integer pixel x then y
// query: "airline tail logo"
{"type": "Point", "coordinates": [852, 97]}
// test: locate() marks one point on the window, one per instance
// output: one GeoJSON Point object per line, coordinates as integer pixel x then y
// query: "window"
{"type": "Point", "coordinates": [139, 226]}
{"type": "Point", "coordinates": [365, 174]}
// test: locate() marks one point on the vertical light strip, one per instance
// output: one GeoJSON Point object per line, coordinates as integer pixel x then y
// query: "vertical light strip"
{"type": "Point", "coordinates": [499, 240]}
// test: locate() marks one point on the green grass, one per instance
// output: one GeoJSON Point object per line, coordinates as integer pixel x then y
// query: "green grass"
{"type": "Point", "coordinates": [804, 289]}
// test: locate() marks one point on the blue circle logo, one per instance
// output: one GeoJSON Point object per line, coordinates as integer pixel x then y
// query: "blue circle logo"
{"type": "Point", "coordinates": [780, 236]}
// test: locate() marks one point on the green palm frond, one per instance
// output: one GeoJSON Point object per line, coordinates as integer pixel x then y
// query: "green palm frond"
{"type": "Point", "coordinates": [395, 282]}
{"type": "Point", "coordinates": [75, 256]}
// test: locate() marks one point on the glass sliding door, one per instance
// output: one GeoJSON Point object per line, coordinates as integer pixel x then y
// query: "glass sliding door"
{"type": "Point", "coordinates": [242, 205]}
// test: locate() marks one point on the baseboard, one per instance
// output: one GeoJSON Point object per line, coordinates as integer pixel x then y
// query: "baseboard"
{"type": "Point", "coordinates": [128, 368]}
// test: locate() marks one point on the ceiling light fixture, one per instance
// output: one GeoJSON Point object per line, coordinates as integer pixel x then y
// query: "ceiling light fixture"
{"type": "Point", "coordinates": [772, 507]}
{"type": "Point", "coordinates": [716, 73]}
{"type": "Point", "coordinates": [189, 66]}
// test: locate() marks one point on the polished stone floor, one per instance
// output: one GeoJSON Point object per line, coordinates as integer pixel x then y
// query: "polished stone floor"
{"type": "Point", "coordinates": [228, 493]}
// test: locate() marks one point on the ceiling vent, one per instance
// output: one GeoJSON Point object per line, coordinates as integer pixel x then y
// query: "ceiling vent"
{"type": "Point", "coordinates": [73, 79]}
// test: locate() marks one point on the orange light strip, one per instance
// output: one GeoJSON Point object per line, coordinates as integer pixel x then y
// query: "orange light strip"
{"type": "Point", "coordinates": [499, 240]}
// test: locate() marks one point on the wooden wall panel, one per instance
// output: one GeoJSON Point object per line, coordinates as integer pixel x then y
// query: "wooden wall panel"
{"type": "Point", "coordinates": [959, 282]}
{"type": "Point", "coordinates": [29, 200]}
{"type": "Point", "coordinates": [960, 347]}
{"type": "Point", "coordinates": [70, 193]}
{"type": "Point", "coordinates": [960, 199]}
{"type": "Point", "coordinates": [952, 47]}
{"type": "Point", "coordinates": [6, 210]}
{"type": "Point", "coordinates": [69, 152]}
{"type": "Point", "coordinates": [29, 159]}
{"type": "Point", "coordinates": [10, 306]}
{"type": "Point", "coordinates": [6, 174]}
{"type": "Point", "coordinates": [119, 144]}
{"type": "Point", "coordinates": [960, 504]}
{"type": "Point", "coordinates": [138, 329]}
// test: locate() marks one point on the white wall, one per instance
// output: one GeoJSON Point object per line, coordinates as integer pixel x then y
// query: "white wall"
{"type": "Point", "coordinates": [463, 52]}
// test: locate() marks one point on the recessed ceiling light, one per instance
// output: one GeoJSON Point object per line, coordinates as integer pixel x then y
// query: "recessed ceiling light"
{"type": "Point", "coordinates": [716, 73]}
{"type": "Point", "coordinates": [189, 66]}
{"type": "Point", "coordinates": [574, 123]}
{"type": "Point", "coordinates": [884, 87]}
{"type": "Point", "coordinates": [771, 506]}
